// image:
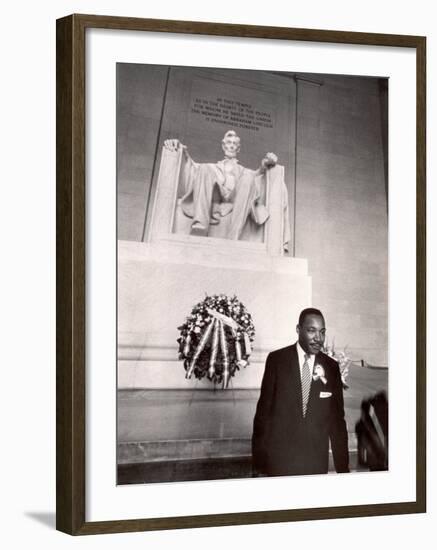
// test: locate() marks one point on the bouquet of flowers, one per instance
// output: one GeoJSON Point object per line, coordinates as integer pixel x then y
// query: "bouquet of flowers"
{"type": "Point", "coordinates": [342, 359]}
{"type": "Point", "coordinates": [215, 340]}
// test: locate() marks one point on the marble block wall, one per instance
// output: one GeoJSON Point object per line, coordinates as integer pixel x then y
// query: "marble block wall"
{"type": "Point", "coordinates": [341, 223]}
{"type": "Point", "coordinates": [140, 100]}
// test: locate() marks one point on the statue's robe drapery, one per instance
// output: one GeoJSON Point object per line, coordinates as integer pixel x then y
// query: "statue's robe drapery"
{"type": "Point", "coordinates": [204, 183]}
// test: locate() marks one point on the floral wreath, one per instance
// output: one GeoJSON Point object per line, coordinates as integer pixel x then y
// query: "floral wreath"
{"type": "Point", "coordinates": [216, 339]}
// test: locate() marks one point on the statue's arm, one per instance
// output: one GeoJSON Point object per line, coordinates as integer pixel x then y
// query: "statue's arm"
{"type": "Point", "coordinates": [188, 169]}
{"type": "Point", "coordinates": [267, 162]}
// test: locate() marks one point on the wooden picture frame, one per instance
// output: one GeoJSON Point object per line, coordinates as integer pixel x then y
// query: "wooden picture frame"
{"type": "Point", "coordinates": [71, 275]}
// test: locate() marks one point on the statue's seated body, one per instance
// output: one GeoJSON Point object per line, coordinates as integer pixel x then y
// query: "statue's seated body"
{"type": "Point", "coordinates": [224, 190]}
{"type": "Point", "coordinates": [225, 199]}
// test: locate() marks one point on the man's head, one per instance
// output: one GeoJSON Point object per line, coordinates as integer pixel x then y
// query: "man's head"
{"type": "Point", "coordinates": [311, 330]}
{"type": "Point", "coordinates": [231, 144]}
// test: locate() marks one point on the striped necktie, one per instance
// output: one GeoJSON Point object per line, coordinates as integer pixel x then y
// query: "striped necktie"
{"type": "Point", "coordinates": [306, 384]}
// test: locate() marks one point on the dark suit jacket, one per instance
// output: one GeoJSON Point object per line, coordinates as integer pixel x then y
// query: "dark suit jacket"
{"type": "Point", "coordinates": [285, 443]}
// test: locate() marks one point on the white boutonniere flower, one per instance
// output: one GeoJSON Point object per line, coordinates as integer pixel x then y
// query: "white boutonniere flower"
{"type": "Point", "coordinates": [319, 374]}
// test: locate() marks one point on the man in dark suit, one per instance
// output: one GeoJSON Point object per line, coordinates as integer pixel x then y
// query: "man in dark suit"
{"type": "Point", "coordinates": [300, 409]}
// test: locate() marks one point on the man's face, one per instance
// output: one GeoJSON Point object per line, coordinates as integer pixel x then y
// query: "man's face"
{"type": "Point", "coordinates": [312, 334]}
{"type": "Point", "coordinates": [231, 146]}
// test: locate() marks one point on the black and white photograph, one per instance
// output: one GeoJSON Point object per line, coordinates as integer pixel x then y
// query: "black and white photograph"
{"type": "Point", "coordinates": [219, 227]}
{"type": "Point", "coordinates": [252, 274]}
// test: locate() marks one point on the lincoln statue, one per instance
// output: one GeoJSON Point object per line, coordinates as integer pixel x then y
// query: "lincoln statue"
{"type": "Point", "coordinates": [216, 191]}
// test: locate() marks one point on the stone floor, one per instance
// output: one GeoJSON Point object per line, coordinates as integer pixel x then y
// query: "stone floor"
{"type": "Point", "coordinates": [171, 435]}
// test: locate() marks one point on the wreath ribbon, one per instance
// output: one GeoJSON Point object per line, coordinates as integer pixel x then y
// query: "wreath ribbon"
{"type": "Point", "coordinates": [228, 321]}
{"type": "Point", "coordinates": [216, 330]}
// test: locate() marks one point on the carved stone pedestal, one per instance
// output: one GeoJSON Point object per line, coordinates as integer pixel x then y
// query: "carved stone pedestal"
{"type": "Point", "coordinates": [159, 283]}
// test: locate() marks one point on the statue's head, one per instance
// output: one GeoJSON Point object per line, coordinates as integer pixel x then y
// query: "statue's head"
{"type": "Point", "coordinates": [231, 144]}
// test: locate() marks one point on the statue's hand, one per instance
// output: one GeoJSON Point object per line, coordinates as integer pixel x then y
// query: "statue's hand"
{"type": "Point", "coordinates": [174, 145]}
{"type": "Point", "coordinates": [269, 161]}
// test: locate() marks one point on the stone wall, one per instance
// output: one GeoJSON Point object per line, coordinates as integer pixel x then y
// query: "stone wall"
{"type": "Point", "coordinates": [341, 209]}
{"type": "Point", "coordinates": [140, 99]}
